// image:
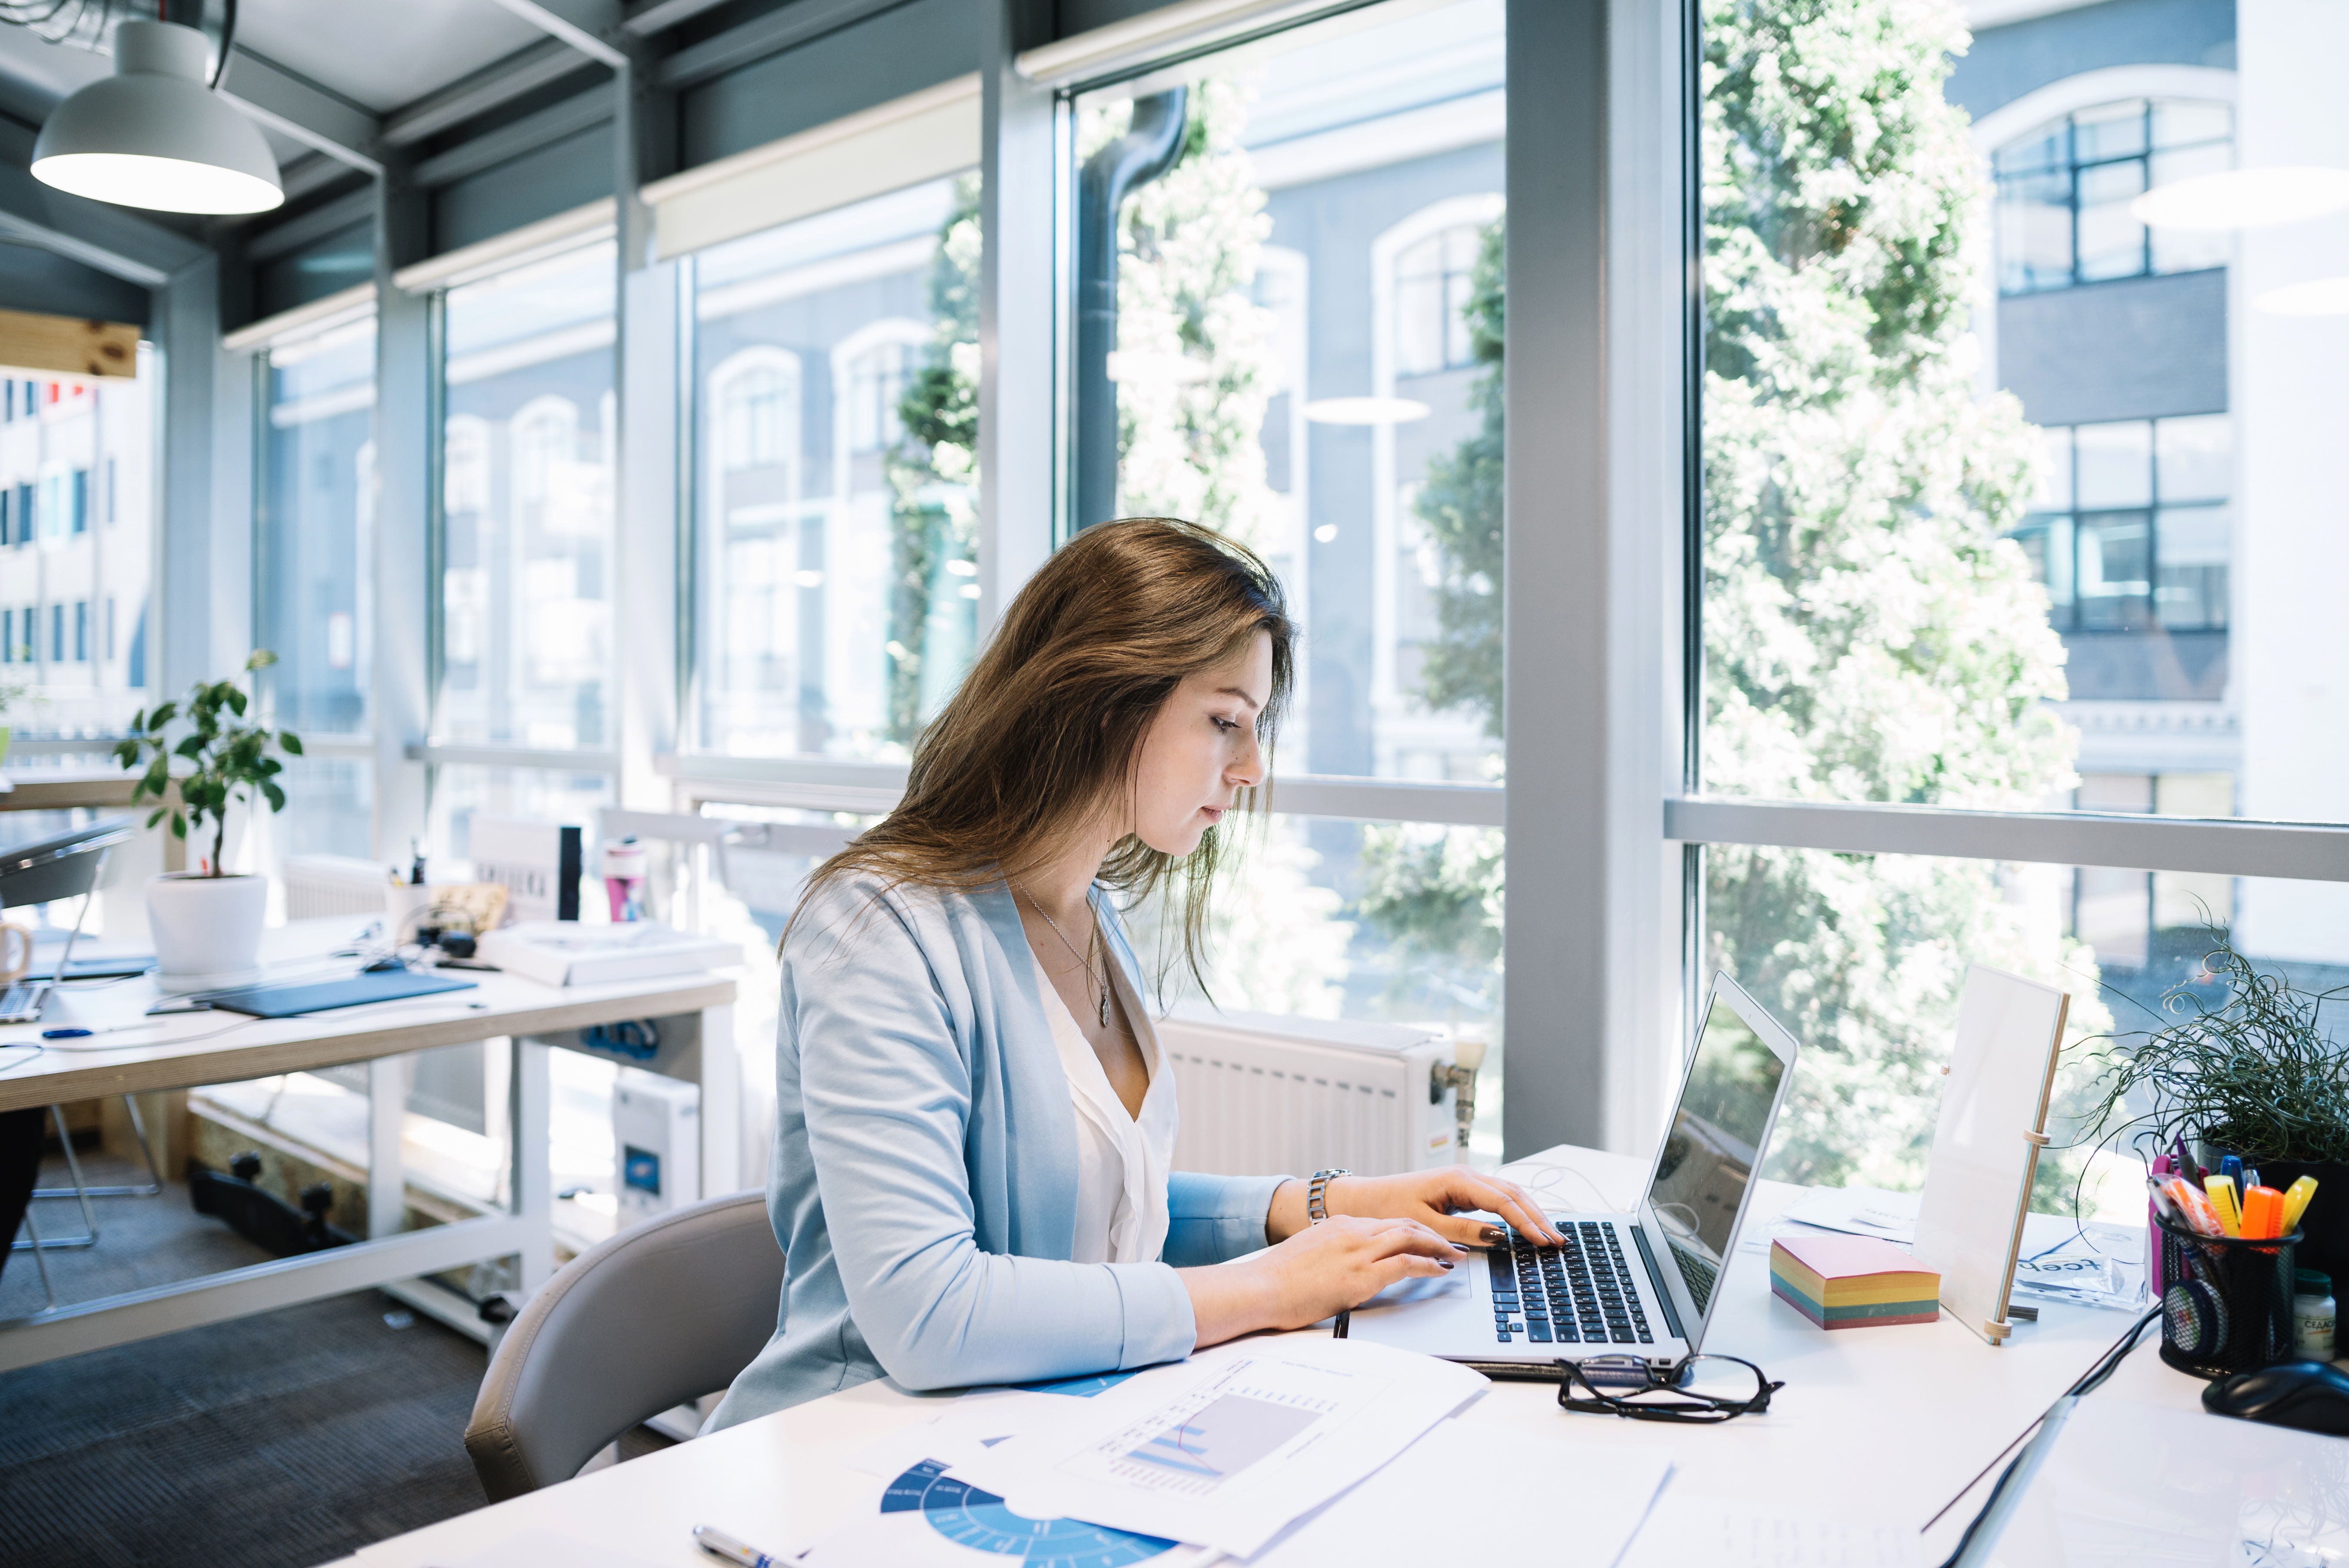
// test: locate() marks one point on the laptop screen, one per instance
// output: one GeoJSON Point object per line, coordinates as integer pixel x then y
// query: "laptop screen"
{"type": "Point", "coordinates": [1715, 1140]}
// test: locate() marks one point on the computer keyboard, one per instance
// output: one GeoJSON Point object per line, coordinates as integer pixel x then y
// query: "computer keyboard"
{"type": "Point", "coordinates": [1580, 1294]}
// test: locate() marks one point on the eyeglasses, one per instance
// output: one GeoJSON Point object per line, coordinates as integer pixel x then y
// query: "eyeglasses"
{"type": "Point", "coordinates": [1700, 1388]}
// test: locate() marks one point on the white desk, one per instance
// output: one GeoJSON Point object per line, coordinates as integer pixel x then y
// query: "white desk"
{"type": "Point", "coordinates": [695, 1018]}
{"type": "Point", "coordinates": [1895, 1420]}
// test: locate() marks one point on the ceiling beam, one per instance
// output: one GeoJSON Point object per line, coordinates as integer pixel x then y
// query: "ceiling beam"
{"type": "Point", "coordinates": [646, 17]}
{"type": "Point", "coordinates": [499, 82]}
{"type": "Point", "coordinates": [529, 133]}
{"type": "Point", "coordinates": [587, 26]}
{"type": "Point", "coordinates": [784, 28]}
{"type": "Point", "coordinates": [294, 105]}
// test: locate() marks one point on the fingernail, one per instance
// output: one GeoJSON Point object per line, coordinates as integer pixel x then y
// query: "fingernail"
{"type": "Point", "coordinates": [1458, 1248]}
{"type": "Point", "coordinates": [1443, 1263]}
{"type": "Point", "coordinates": [1493, 1236]}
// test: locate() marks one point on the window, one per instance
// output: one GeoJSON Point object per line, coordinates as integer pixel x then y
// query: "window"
{"type": "Point", "coordinates": [526, 510]}
{"type": "Point", "coordinates": [81, 631]}
{"type": "Point", "coordinates": [833, 568]}
{"type": "Point", "coordinates": [314, 534]}
{"type": "Point", "coordinates": [58, 633]}
{"type": "Point", "coordinates": [1433, 280]}
{"type": "Point", "coordinates": [2067, 573]}
{"type": "Point", "coordinates": [1305, 353]}
{"type": "Point", "coordinates": [81, 501]}
{"type": "Point", "coordinates": [25, 518]}
{"type": "Point", "coordinates": [7, 636]}
{"type": "Point", "coordinates": [2064, 193]}
{"type": "Point", "coordinates": [2130, 534]}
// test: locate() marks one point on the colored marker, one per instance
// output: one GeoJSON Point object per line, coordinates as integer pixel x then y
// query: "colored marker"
{"type": "Point", "coordinates": [2295, 1202]}
{"type": "Point", "coordinates": [2262, 1212]}
{"type": "Point", "coordinates": [2221, 1191]}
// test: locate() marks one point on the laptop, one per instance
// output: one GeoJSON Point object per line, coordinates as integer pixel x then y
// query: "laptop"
{"type": "Point", "coordinates": [1641, 1283]}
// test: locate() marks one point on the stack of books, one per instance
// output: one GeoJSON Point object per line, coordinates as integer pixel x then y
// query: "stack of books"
{"type": "Point", "coordinates": [1852, 1282]}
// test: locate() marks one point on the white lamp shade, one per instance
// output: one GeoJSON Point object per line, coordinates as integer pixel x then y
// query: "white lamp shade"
{"type": "Point", "coordinates": [153, 135]}
{"type": "Point", "coordinates": [1366, 410]}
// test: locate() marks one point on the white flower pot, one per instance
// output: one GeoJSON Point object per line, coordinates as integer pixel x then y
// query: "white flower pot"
{"type": "Point", "coordinates": [207, 930]}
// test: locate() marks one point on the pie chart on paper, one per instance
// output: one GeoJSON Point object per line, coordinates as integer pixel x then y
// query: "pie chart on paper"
{"type": "Point", "coordinates": [978, 1522]}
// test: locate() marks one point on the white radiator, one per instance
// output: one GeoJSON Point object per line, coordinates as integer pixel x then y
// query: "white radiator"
{"type": "Point", "coordinates": [1261, 1093]}
{"type": "Point", "coordinates": [319, 885]}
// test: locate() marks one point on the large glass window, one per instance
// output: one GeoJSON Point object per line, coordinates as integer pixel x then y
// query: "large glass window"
{"type": "Point", "coordinates": [315, 543]}
{"type": "Point", "coordinates": [836, 367]}
{"type": "Point", "coordinates": [1302, 242]}
{"type": "Point", "coordinates": [1307, 355]}
{"type": "Point", "coordinates": [77, 551]}
{"type": "Point", "coordinates": [2005, 552]}
{"type": "Point", "coordinates": [526, 585]}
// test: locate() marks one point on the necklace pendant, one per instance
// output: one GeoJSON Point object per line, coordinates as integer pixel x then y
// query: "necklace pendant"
{"type": "Point", "coordinates": [1105, 1008]}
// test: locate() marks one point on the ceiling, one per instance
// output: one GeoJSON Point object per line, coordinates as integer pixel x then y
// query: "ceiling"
{"type": "Point", "coordinates": [381, 57]}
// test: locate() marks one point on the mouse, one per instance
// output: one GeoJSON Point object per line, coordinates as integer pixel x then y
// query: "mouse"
{"type": "Point", "coordinates": [2312, 1395]}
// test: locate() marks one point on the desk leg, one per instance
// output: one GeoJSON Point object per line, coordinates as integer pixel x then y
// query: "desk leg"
{"type": "Point", "coordinates": [387, 1178]}
{"type": "Point", "coordinates": [533, 1161]}
{"type": "Point", "coordinates": [721, 1104]}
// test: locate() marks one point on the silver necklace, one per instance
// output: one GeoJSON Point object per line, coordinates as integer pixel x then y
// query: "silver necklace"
{"type": "Point", "coordinates": [1085, 960]}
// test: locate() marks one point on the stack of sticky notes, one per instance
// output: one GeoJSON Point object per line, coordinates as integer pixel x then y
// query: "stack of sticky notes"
{"type": "Point", "coordinates": [1852, 1282]}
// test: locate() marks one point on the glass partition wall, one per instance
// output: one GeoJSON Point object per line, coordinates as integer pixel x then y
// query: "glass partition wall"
{"type": "Point", "coordinates": [2008, 506]}
{"type": "Point", "coordinates": [1286, 323]}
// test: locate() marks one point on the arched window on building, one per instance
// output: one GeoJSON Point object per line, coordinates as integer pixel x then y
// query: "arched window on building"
{"type": "Point", "coordinates": [1432, 280]}
{"type": "Point", "coordinates": [2065, 189]}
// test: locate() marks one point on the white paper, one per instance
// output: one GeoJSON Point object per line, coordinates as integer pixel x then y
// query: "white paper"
{"type": "Point", "coordinates": [1591, 1500]}
{"type": "Point", "coordinates": [929, 1519]}
{"type": "Point", "coordinates": [1683, 1532]}
{"type": "Point", "coordinates": [975, 1422]}
{"type": "Point", "coordinates": [1858, 1210]}
{"type": "Point", "coordinates": [1229, 1447]}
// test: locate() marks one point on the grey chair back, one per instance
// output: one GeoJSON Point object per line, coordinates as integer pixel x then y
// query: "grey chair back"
{"type": "Point", "coordinates": [656, 1316]}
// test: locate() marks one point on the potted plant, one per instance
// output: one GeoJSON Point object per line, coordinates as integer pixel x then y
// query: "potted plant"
{"type": "Point", "coordinates": [2254, 1075]}
{"type": "Point", "coordinates": [206, 923]}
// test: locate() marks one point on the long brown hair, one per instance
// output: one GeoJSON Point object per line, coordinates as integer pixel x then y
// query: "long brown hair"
{"type": "Point", "coordinates": [1047, 729]}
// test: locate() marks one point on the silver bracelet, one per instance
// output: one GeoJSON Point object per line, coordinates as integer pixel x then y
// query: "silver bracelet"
{"type": "Point", "coordinates": [1315, 1211]}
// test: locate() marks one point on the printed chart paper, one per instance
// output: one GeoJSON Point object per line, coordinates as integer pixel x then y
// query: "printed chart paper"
{"type": "Point", "coordinates": [975, 1422]}
{"type": "Point", "coordinates": [927, 1519]}
{"type": "Point", "coordinates": [1229, 1447]}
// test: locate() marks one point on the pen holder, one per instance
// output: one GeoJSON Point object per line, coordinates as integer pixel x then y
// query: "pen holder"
{"type": "Point", "coordinates": [2227, 1306]}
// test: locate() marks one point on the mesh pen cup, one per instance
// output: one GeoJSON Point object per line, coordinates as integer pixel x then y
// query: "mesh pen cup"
{"type": "Point", "coordinates": [2226, 1305]}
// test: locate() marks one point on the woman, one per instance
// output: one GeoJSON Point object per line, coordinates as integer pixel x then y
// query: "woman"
{"type": "Point", "coordinates": [970, 1177]}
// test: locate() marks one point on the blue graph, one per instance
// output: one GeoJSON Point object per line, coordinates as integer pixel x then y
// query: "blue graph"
{"type": "Point", "coordinates": [1077, 1388]}
{"type": "Point", "coordinates": [1225, 1436]}
{"type": "Point", "coordinates": [979, 1519]}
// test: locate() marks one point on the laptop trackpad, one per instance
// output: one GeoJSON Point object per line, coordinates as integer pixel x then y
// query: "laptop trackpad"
{"type": "Point", "coordinates": [1419, 1289]}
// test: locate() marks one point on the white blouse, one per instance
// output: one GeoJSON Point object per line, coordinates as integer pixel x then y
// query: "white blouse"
{"type": "Point", "coordinates": [1121, 1161]}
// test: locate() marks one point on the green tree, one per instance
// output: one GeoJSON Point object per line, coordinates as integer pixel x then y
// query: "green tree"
{"type": "Point", "coordinates": [1869, 634]}
{"type": "Point", "coordinates": [1459, 509]}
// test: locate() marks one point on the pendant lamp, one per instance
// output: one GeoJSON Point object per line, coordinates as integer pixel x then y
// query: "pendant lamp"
{"type": "Point", "coordinates": [155, 135]}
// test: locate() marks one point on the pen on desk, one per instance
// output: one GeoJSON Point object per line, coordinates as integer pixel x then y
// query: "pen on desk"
{"type": "Point", "coordinates": [718, 1544]}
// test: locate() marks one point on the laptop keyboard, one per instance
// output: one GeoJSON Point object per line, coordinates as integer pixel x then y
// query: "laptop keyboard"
{"type": "Point", "coordinates": [1580, 1294]}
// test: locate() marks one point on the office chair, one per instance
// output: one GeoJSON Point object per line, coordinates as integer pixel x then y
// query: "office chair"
{"type": "Point", "coordinates": [655, 1318]}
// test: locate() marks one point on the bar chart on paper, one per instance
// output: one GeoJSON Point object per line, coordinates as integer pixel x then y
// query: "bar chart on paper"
{"type": "Point", "coordinates": [1257, 1409]}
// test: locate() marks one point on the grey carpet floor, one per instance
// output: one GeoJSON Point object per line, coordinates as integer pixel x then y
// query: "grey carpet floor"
{"type": "Point", "coordinates": [279, 1440]}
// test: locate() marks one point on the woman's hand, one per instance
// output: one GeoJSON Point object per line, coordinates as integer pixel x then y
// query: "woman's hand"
{"type": "Point", "coordinates": [1437, 1199]}
{"type": "Point", "coordinates": [1317, 1272]}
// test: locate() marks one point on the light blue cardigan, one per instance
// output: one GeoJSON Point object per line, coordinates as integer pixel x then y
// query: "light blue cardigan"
{"type": "Point", "coordinates": [923, 1183]}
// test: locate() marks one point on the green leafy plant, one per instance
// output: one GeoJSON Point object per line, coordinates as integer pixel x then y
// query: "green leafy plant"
{"type": "Point", "coordinates": [2256, 1074]}
{"type": "Point", "coordinates": [229, 759]}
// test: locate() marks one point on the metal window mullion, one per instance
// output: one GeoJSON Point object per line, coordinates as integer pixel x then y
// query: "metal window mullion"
{"type": "Point", "coordinates": [2308, 851]}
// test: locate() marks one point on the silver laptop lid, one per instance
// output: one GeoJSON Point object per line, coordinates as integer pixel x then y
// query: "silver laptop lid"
{"type": "Point", "coordinates": [1737, 1079]}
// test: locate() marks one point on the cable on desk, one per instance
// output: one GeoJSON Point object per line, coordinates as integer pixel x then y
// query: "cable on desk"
{"type": "Point", "coordinates": [2088, 1383]}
